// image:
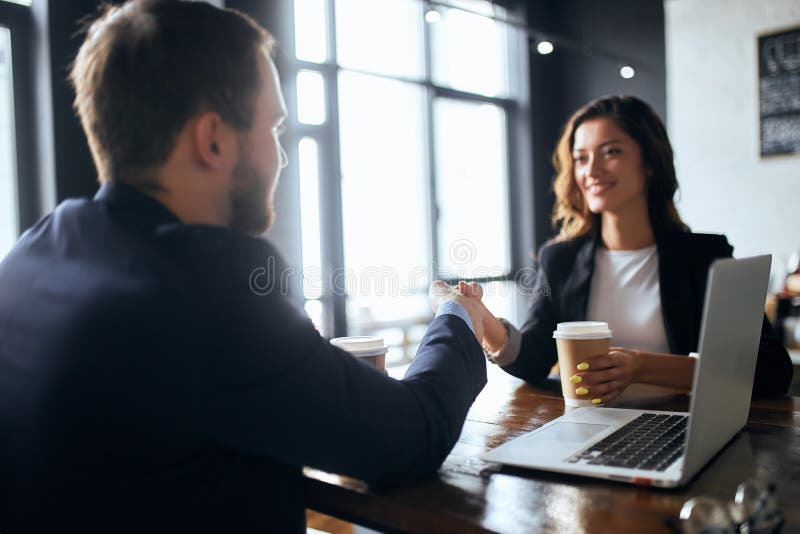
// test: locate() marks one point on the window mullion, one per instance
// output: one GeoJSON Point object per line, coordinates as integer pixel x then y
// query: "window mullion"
{"type": "Point", "coordinates": [18, 19]}
{"type": "Point", "coordinates": [433, 214]}
{"type": "Point", "coordinates": [513, 217]}
{"type": "Point", "coordinates": [335, 298]}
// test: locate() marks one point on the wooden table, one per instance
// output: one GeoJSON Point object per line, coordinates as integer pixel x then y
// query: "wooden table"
{"type": "Point", "coordinates": [471, 495]}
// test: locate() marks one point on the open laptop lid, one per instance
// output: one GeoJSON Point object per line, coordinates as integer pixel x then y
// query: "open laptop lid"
{"type": "Point", "coordinates": [729, 339]}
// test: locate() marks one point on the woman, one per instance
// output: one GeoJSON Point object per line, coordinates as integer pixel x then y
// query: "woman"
{"type": "Point", "coordinates": [623, 256]}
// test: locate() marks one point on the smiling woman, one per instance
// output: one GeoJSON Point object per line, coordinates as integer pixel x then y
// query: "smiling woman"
{"type": "Point", "coordinates": [608, 167]}
{"type": "Point", "coordinates": [602, 139]}
{"type": "Point", "coordinates": [623, 256]}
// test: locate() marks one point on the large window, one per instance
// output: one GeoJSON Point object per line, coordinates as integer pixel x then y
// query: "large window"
{"type": "Point", "coordinates": [9, 217]}
{"type": "Point", "coordinates": [15, 149]}
{"type": "Point", "coordinates": [402, 129]}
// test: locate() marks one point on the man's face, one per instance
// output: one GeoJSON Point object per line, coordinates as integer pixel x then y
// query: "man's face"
{"type": "Point", "coordinates": [261, 158]}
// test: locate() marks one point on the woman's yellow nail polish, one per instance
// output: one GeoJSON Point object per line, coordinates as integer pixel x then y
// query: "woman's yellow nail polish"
{"type": "Point", "coordinates": [583, 366]}
{"type": "Point", "coordinates": [597, 401]}
{"type": "Point", "coordinates": [575, 379]}
{"type": "Point", "coordinates": [581, 391]}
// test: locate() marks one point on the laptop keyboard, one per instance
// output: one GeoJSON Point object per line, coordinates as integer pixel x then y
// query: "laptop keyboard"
{"type": "Point", "coordinates": [651, 441]}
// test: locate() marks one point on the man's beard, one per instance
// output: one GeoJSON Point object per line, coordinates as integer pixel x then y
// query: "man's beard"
{"type": "Point", "coordinates": [251, 203]}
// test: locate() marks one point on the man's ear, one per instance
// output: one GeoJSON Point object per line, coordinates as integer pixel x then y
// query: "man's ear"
{"type": "Point", "coordinates": [214, 141]}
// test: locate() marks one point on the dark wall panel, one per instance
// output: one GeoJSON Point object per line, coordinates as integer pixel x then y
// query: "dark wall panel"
{"type": "Point", "coordinates": [614, 31]}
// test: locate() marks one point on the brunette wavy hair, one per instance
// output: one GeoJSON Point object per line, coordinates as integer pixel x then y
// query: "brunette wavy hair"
{"type": "Point", "coordinates": [571, 214]}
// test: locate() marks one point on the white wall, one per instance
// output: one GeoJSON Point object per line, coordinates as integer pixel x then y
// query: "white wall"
{"type": "Point", "coordinates": [712, 110]}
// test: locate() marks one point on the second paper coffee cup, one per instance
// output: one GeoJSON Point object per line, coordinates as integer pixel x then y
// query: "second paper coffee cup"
{"type": "Point", "coordinates": [370, 349]}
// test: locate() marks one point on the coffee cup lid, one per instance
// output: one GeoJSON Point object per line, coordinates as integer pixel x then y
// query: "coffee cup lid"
{"type": "Point", "coordinates": [361, 346]}
{"type": "Point", "coordinates": [582, 330]}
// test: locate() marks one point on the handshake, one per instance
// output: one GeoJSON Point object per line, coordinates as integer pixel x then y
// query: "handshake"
{"type": "Point", "coordinates": [489, 330]}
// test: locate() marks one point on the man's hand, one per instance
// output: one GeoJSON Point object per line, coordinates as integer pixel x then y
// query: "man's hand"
{"type": "Point", "coordinates": [467, 294]}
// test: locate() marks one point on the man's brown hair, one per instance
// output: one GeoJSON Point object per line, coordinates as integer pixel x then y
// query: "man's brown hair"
{"type": "Point", "coordinates": [148, 66]}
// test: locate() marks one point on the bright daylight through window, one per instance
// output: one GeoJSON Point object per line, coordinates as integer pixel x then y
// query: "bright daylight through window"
{"type": "Point", "coordinates": [9, 227]}
{"type": "Point", "coordinates": [421, 127]}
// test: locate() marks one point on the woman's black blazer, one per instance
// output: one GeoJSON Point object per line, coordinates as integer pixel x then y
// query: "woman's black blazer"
{"type": "Point", "coordinates": [561, 293]}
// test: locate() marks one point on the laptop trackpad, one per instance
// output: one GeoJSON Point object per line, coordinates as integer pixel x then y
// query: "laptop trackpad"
{"type": "Point", "coordinates": [566, 433]}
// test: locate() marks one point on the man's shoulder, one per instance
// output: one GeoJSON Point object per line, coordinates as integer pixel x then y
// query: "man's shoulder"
{"type": "Point", "coordinates": [228, 264]}
{"type": "Point", "coordinates": [217, 248]}
{"type": "Point", "coordinates": [66, 211]}
{"type": "Point", "coordinates": [225, 244]}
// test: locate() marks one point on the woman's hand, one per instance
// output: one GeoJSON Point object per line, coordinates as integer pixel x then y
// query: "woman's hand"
{"type": "Point", "coordinates": [605, 376]}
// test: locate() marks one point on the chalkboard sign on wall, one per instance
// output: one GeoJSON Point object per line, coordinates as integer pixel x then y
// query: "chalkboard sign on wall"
{"type": "Point", "coordinates": [779, 92]}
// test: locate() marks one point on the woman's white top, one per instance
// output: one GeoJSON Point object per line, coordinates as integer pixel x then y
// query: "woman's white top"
{"type": "Point", "coordinates": [625, 293]}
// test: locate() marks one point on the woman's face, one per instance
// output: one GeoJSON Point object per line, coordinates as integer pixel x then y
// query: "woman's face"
{"type": "Point", "coordinates": [608, 166]}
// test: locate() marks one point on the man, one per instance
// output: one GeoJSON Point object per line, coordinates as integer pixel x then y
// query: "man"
{"type": "Point", "coordinates": [143, 385]}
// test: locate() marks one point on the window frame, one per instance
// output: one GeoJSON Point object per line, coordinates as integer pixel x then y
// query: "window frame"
{"type": "Point", "coordinates": [19, 20]}
{"type": "Point", "coordinates": [327, 137]}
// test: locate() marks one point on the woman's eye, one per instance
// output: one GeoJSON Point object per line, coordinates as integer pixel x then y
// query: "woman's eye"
{"type": "Point", "coordinates": [579, 159]}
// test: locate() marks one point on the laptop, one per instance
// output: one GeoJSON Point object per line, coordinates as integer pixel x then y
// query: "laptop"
{"type": "Point", "coordinates": [666, 448]}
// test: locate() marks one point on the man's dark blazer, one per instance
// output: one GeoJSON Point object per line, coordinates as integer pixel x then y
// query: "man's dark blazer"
{"type": "Point", "coordinates": [561, 293]}
{"type": "Point", "coordinates": [153, 377]}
